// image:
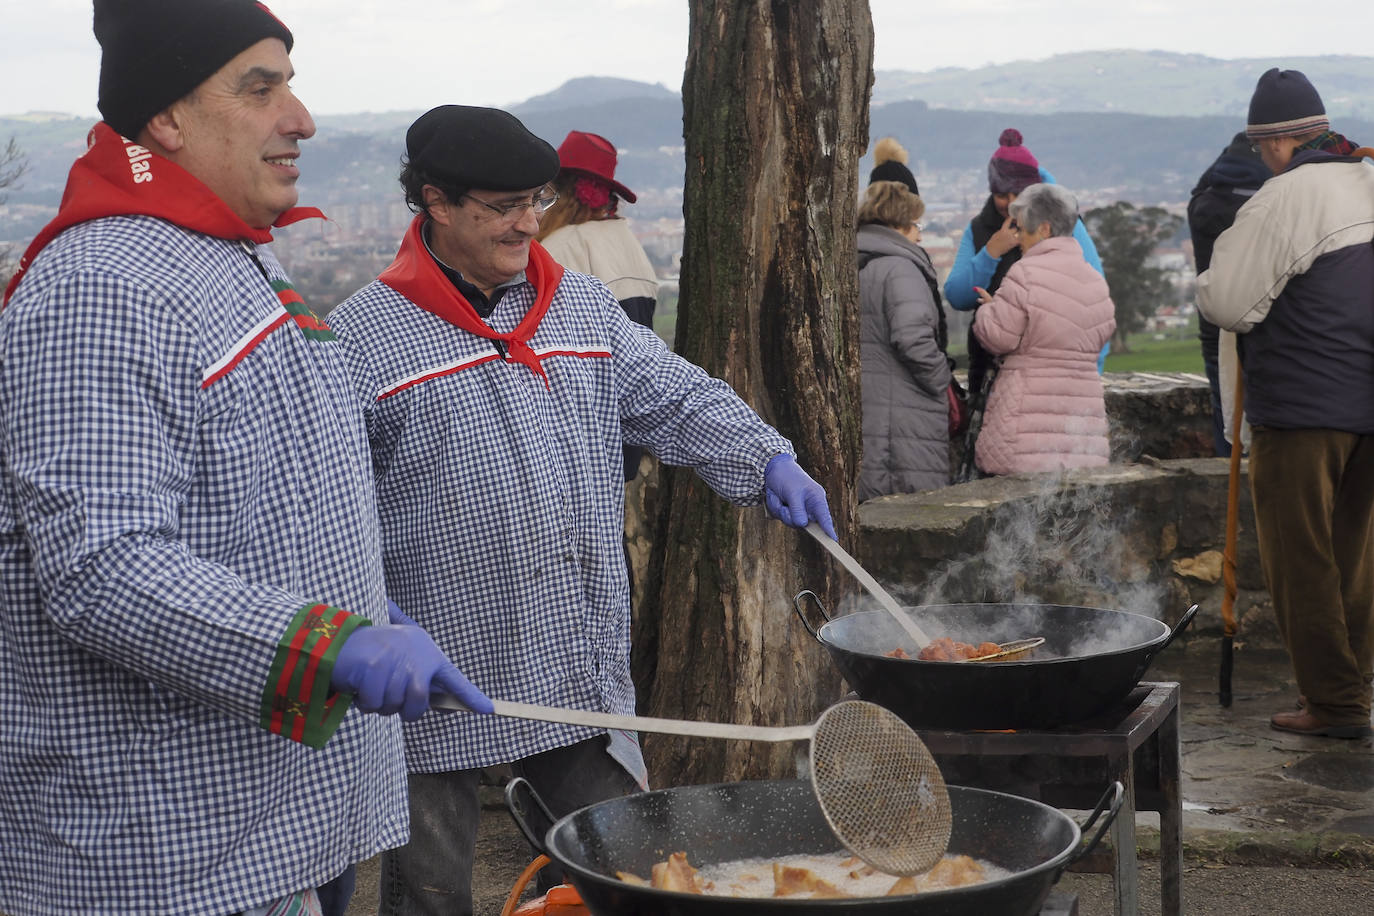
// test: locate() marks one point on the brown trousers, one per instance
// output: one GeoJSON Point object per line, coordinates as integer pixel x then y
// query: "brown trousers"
{"type": "Point", "coordinates": [1313, 491]}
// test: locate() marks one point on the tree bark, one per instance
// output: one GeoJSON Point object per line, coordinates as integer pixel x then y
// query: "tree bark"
{"type": "Point", "coordinates": [775, 101]}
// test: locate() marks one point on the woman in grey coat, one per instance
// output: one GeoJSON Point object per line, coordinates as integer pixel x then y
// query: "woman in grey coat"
{"type": "Point", "coordinates": [902, 337]}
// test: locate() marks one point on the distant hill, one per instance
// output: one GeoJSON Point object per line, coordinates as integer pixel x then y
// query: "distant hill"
{"type": "Point", "coordinates": [1139, 82]}
{"type": "Point", "coordinates": [594, 90]}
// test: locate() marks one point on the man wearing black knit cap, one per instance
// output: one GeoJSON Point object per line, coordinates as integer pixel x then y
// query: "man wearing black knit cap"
{"type": "Point", "coordinates": [1294, 277]}
{"type": "Point", "coordinates": [499, 389]}
{"type": "Point", "coordinates": [193, 621]}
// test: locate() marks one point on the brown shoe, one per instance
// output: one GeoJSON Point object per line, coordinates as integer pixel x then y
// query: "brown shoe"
{"type": "Point", "coordinates": [1302, 722]}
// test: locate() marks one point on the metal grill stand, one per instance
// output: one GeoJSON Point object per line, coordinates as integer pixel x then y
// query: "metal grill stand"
{"type": "Point", "coordinates": [1136, 742]}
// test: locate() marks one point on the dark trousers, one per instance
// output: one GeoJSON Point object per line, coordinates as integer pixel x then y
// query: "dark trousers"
{"type": "Point", "coordinates": [1313, 491]}
{"type": "Point", "coordinates": [432, 874]}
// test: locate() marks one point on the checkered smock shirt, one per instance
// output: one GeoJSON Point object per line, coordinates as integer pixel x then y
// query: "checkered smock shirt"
{"type": "Point", "coordinates": [183, 471]}
{"type": "Point", "coordinates": [502, 500]}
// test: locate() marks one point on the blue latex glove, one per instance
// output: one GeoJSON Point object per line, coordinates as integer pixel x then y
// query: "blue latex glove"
{"type": "Point", "coordinates": [398, 616]}
{"type": "Point", "coordinates": [793, 497]}
{"type": "Point", "coordinates": [391, 669]}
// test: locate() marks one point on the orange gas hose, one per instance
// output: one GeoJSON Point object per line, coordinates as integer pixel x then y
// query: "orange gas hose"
{"type": "Point", "coordinates": [525, 876]}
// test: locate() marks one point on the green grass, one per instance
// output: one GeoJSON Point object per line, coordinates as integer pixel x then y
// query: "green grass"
{"type": "Point", "coordinates": [1146, 354]}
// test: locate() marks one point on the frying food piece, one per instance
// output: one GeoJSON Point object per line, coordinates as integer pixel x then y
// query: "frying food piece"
{"type": "Point", "coordinates": [630, 878]}
{"type": "Point", "coordinates": [903, 887]}
{"type": "Point", "coordinates": [945, 649]}
{"type": "Point", "coordinates": [898, 652]}
{"type": "Point", "coordinates": [676, 875]}
{"type": "Point", "coordinates": [951, 871]}
{"type": "Point", "coordinates": [789, 881]}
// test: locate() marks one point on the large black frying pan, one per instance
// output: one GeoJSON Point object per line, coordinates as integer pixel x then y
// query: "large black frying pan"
{"type": "Point", "coordinates": [768, 819]}
{"type": "Point", "coordinates": [1090, 660]}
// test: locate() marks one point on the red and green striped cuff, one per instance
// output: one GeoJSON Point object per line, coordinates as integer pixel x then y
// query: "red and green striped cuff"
{"type": "Point", "coordinates": [298, 702]}
{"type": "Point", "coordinates": [312, 327]}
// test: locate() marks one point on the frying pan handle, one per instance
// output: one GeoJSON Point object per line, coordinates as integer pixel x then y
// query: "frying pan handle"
{"type": "Point", "coordinates": [1183, 622]}
{"type": "Point", "coordinates": [518, 793]}
{"type": "Point", "coordinates": [797, 603]}
{"type": "Point", "coordinates": [1114, 797]}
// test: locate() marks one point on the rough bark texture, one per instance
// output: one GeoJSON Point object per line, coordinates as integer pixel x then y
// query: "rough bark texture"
{"type": "Point", "coordinates": [775, 102]}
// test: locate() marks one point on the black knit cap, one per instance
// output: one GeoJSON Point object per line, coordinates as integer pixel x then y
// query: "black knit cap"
{"type": "Point", "coordinates": [892, 170]}
{"type": "Point", "coordinates": [1285, 104]}
{"type": "Point", "coordinates": [485, 148]}
{"type": "Point", "coordinates": [154, 52]}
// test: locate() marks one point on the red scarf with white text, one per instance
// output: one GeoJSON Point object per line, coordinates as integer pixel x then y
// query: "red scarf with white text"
{"type": "Point", "coordinates": [117, 177]}
{"type": "Point", "coordinates": [415, 275]}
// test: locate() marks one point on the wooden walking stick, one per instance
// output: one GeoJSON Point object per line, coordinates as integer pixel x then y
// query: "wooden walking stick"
{"type": "Point", "coordinates": [1228, 565]}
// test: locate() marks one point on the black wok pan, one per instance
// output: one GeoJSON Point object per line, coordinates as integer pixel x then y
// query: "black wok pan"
{"type": "Point", "coordinates": [1090, 660]}
{"type": "Point", "coordinates": [722, 823]}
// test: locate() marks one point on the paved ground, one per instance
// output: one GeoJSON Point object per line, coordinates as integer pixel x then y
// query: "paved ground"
{"type": "Point", "coordinates": [1274, 824]}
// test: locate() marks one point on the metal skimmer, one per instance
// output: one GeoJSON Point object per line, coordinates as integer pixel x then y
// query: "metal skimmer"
{"type": "Point", "coordinates": [878, 787]}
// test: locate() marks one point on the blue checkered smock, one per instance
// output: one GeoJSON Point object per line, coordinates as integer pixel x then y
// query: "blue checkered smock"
{"type": "Point", "coordinates": [502, 500]}
{"type": "Point", "coordinates": [157, 535]}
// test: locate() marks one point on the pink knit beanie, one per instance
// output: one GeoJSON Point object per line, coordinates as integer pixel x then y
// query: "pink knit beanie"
{"type": "Point", "coordinates": [1012, 168]}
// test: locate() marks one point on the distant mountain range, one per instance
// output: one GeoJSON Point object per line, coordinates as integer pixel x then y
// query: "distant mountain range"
{"type": "Point", "coordinates": [1138, 125]}
{"type": "Point", "coordinates": [1137, 82]}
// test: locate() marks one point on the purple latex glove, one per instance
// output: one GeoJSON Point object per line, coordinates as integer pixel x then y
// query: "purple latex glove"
{"type": "Point", "coordinates": [391, 669]}
{"type": "Point", "coordinates": [793, 497]}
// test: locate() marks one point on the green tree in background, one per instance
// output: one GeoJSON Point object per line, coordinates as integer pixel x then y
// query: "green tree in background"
{"type": "Point", "coordinates": [1126, 237]}
{"type": "Point", "coordinates": [13, 165]}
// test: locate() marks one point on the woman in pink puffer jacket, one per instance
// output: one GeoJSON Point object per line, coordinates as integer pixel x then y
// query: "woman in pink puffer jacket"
{"type": "Point", "coordinates": [1048, 321]}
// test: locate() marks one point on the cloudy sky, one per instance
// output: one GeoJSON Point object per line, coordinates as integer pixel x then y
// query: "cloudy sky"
{"type": "Point", "coordinates": [377, 55]}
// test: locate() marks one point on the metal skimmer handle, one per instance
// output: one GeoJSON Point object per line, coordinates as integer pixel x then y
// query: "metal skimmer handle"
{"type": "Point", "coordinates": [877, 591]}
{"type": "Point", "coordinates": [633, 723]}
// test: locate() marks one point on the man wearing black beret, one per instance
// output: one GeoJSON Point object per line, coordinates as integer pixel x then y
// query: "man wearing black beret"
{"type": "Point", "coordinates": [1294, 278]}
{"type": "Point", "coordinates": [193, 619]}
{"type": "Point", "coordinates": [498, 390]}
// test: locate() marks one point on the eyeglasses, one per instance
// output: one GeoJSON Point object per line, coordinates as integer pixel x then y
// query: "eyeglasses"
{"type": "Point", "coordinates": [513, 213]}
{"type": "Point", "coordinates": [919, 227]}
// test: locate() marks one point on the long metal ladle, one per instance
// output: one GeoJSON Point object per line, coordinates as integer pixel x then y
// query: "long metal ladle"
{"type": "Point", "coordinates": [1008, 650]}
{"type": "Point", "coordinates": [878, 786]}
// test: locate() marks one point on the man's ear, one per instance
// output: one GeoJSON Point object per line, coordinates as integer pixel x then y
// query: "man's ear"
{"type": "Point", "coordinates": [437, 205]}
{"type": "Point", "coordinates": [165, 130]}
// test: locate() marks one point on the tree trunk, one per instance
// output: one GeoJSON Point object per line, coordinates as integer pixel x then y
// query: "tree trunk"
{"type": "Point", "coordinates": [775, 101]}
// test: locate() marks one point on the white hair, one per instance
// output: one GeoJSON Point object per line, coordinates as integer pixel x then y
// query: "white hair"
{"type": "Point", "coordinates": [1046, 203]}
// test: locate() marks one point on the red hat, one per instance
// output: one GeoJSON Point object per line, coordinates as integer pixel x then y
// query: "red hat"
{"type": "Point", "coordinates": [593, 155]}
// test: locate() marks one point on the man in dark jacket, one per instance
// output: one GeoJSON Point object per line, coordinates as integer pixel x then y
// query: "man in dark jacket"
{"type": "Point", "coordinates": [1294, 277]}
{"type": "Point", "coordinates": [1221, 191]}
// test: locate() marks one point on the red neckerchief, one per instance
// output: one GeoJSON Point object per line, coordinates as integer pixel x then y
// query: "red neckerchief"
{"type": "Point", "coordinates": [415, 275]}
{"type": "Point", "coordinates": [117, 177]}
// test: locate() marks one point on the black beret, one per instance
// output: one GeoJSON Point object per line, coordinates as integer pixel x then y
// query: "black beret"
{"type": "Point", "coordinates": [154, 52]}
{"type": "Point", "coordinates": [484, 148]}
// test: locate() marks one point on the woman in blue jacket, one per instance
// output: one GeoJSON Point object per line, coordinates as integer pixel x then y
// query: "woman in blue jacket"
{"type": "Point", "coordinates": [989, 246]}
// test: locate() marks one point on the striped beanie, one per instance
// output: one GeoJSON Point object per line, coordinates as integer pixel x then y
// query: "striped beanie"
{"type": "Point", "coordinates": [1285, 104]}
{"type": "Point", "coordinates": [1012, 167]}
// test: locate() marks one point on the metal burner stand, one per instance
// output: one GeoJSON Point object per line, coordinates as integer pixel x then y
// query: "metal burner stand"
{"type": "Point", "coordinates": [1136, 742]}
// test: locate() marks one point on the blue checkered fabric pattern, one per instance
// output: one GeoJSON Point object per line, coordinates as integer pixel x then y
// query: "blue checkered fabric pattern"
{"type": "Point", "coordinates": [156, 538]}
{"type": "Point", "coordinates": [502, 500]}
